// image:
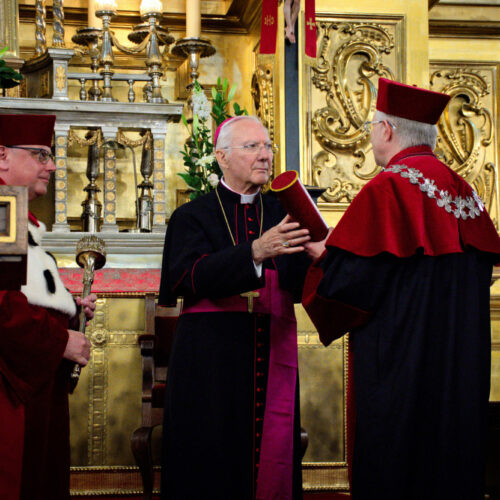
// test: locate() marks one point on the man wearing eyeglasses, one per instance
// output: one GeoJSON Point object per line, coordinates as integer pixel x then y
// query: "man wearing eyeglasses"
{"type": "Point", "coordinates": [38, 346]}
{"type": "Point", "coordinates": [231, 408]}
{"type": "Point", "coordinates": [407, 272]}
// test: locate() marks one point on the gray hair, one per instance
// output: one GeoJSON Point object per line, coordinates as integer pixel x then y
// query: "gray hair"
{"type": "Point", "coordinates": [410, 132]}
{"type": "Point", "coordinates": [225, 133]}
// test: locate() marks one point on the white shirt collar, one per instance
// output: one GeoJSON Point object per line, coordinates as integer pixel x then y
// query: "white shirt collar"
{"type": "Point", "coordinates": [244, 198]}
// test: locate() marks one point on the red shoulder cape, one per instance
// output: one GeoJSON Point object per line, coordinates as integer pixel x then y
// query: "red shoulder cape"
{"type": "Point", "coordinates": [417, 202]}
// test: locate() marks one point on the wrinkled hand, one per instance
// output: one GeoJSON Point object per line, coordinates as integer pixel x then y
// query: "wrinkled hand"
{"type": "Point", "coordinates": [77, 348]}
{"type": "Point", "coordinates": [284, 238]}
{"type": "Point", "coordinates": [88, 304]}
{"type": "Point", "coordinates": [316, 248]}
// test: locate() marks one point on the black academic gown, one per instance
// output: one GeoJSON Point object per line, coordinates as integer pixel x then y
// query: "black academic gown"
{"type": "Point", "coordinates": [407, 271]}
{"type": "Point", "coordinates": [421, 372]}
{"type": "Point", "coordinates": [215, 394]}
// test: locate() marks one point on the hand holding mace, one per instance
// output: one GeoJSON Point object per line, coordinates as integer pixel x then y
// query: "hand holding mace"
{"type": "Point", "coordinates": [91, 256]}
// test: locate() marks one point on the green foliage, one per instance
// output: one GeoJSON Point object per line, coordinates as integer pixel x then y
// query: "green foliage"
{"type": "Point", "coordinates": [8, 77]}
{"type": "Point", "coordinates": [202, 170]}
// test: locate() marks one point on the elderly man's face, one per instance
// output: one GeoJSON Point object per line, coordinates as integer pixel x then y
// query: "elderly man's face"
{"type": "Point", "coordinates": [244, 171]}
{"type": "Point", "coordinates": [22, 167]}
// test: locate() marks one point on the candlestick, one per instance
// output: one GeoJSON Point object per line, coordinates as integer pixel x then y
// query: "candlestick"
{"type": "Point", "coordinates": [193, 48]}
{"type": "Point", "coordinates": [193, 18]}
{"type": "Point", "coordinates": [148, 6]}
{"type": "Point", "coordinates": [92, 19]}
{"type": "Point", "coordinates": [106, 5]}
{"type": "Point", "coordinates": [106, 60]}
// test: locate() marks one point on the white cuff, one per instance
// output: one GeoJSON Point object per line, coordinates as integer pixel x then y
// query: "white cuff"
{"type": "Point", "coordinates": [258, 269]}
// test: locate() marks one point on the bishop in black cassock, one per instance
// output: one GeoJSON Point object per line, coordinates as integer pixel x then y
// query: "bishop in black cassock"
{"type": "Point", "coordinates": [407, 271]}
{"type": "Point", "coordinates": [232, 425]}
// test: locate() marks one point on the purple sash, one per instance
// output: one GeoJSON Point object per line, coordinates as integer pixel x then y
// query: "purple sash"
{"type": "Point", "coordinates": [274, 479]}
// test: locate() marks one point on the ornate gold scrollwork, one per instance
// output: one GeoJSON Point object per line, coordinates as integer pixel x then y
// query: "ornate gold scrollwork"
{"type": "Point", "coordinates": [466, 127]}
{"type": "Point", "coordinates": [146, 139]}
{"type": "Point", "coordinates": [263, 96]}
{"type": "Point", "coordinates": [91, 137]}
{"type": "Point", "coordinates": [350, 56]}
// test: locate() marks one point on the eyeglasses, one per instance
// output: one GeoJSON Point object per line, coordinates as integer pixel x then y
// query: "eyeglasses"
{"type": "Point", "coordinates": [255, 147]}
{"type": "Point", "coordinates": [369, 125]}
{"type": "Point", "coordinates": [43, 154]}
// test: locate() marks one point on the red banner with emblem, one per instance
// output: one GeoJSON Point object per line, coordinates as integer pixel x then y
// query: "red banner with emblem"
{"type": "Point", "coordinates": [269, 27]}
{"type": "Point", "coordinates": [310, 28]}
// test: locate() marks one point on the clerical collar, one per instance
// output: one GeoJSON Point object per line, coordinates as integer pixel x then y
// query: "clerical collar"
{"type": "Point", "coordinates": [244, 198]}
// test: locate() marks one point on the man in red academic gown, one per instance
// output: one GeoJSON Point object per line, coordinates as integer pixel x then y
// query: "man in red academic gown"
{"type": "Point", "coordinates": [37, 348]}
{"type": "Point", "coordinates": [407, 271]}
{"type": "Point", "coordinates": [231, 426]}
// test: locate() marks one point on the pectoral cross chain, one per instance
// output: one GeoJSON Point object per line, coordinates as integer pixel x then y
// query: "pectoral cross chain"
{"type": "Point", "coordinates": [250, 296]}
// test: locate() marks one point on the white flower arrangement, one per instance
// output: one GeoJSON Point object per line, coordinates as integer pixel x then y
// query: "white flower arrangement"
{"type": "Point", "coordinates": [202, 170]}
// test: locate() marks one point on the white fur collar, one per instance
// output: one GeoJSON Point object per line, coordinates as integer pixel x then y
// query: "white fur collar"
{"type": "Point", "coordinates": [44, 286]}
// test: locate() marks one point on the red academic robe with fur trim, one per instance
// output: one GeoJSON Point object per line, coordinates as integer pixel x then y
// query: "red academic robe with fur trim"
{"type": "Point", "coordinates": [34, 416]}
{"type": "Point", "coordinates": [407, 271]}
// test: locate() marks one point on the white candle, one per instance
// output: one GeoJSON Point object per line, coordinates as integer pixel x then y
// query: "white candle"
{"type": "Point", "coordinates": [106, 5]}
{"type": "Point", "coordinates": [193, 18]}
{"type": "Point", "coordinates": [148, 6]}
{"type": "Point", "coordinates": [92, 20]}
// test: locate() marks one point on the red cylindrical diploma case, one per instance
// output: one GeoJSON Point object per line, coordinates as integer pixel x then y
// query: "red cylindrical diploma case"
{"type": "Point", "coordinates": [299, 204]}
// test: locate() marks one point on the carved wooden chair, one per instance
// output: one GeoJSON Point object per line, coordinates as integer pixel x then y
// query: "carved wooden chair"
{"type": "Point", "coordinates": [155, 346]}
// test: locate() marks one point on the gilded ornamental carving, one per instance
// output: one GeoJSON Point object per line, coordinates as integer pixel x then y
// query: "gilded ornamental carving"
{"type": "Point", "coordinates": [263, 96]}
{"type": "Point", "coordinates": [466, 128]}
{"type": "Point", "coordinates": [352, 55]}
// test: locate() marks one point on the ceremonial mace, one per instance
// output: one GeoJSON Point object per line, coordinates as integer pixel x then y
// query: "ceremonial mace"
{"type": "Point", "coordinates": [91, 256]}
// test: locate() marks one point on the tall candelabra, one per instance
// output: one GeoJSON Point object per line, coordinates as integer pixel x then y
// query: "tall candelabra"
{"type": "Point", "coordinates": [90, 37]}
{"type": "Point", "coordinates": [145, 199]}
{"type": "Point", "coordinates": [106, 59]}
{"type": "Point", "coordinates": [149, 38]}
{"type": "Point", "coordinates": [92, 207]}
{"type": "Point", "coordinates": [193, 48]}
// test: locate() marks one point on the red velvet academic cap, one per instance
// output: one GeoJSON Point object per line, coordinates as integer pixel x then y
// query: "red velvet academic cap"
{"type": "Point", "coordinates": [412, 103]}
{"type": "Point", "coordinates": [16, 130]}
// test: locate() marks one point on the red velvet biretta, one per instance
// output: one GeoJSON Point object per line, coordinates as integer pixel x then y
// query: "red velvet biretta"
{"type": "Point", "coordinates": [412, 103]}
{"type": "Point", "coordinates": [17, 130]}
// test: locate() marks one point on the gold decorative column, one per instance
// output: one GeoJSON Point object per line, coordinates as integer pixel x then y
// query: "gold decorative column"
{"type": "Point", "coordinates": [40, 28]}
{"type": "Point", "coordinates": [109, 209]}
{"type": "Point", "coordinates": [98, 387]}
{"type": "Point", "coordinates": [9, 27]}
{"type": "Point", "coordinates": [159, 182]}
{"type": "Point", "coordinates": [61, 178]}
{"type": "Point", "coordinates": [58, 24]}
